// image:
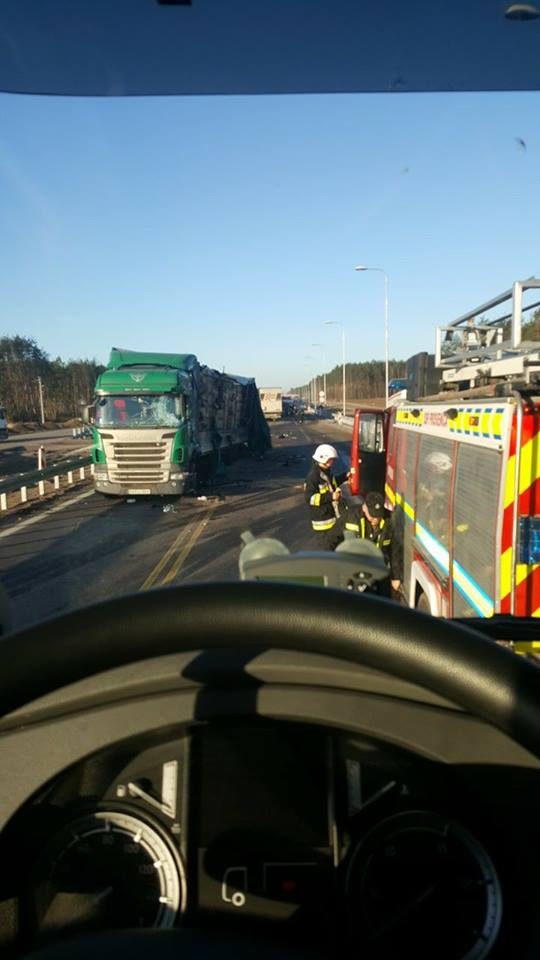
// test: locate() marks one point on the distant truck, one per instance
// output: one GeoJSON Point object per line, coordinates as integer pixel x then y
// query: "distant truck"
{"type": "Point", "coordinates": [272, 402]}
{"type": "Point", "coordinates": [423, 378]}
{"type": "Point", "coordinates": [4, 432]}
{"type": "Point", "coordinates": [162, 421]}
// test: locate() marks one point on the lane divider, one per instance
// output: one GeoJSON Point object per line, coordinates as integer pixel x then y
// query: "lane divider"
{"type": "Point", "coordinates": [187, 548]}
{"type": "Point", "coordinates": [177, 553]}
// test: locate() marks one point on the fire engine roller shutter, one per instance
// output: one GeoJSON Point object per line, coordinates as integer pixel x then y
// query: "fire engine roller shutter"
{"type": "Point", "coordinates": [432, 499]}
{"type": "Point", "coordinates": [476, 500]}
{"type": "Point", "coordinates": [404, 507]}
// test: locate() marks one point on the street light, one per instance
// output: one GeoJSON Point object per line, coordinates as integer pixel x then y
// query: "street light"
{"type": "Point", "coordinates": [362, 269]}
{"type": "Point", "coordinates": [40, 389]}
{"type": "Point", "coordinates": [310, 359]}
{"type": "Point", "coordinates": [338, 323]}
{"type": "Point", "coordinates": [321, 348]}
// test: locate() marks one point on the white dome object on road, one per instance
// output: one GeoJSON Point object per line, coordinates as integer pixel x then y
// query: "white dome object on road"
{"type": "Point", "coordinates": [324, 453]}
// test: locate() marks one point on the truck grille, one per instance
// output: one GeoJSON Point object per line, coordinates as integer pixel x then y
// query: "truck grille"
{"type": "Point", "coordinates": [139, 462]}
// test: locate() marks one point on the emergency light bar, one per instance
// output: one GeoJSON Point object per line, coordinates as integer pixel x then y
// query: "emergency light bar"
{"type": "Point", "coordinates": [529, 540]}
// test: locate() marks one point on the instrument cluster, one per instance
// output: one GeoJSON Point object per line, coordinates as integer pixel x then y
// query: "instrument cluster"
{"type": "Point", "coordinates": [273, 825]}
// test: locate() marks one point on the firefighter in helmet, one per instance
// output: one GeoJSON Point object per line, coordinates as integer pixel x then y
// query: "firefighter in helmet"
{"type": "Point", "coordinates": [322, 494]}
{"type": "Point", "coordinates": [370, 521]}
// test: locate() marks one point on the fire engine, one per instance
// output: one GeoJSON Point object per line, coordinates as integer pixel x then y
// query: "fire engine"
{"type": "Point", "coordinates": [461, 475]}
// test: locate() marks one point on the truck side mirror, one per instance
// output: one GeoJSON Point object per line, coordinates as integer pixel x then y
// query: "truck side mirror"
{"type": "Point", "coordinates": [86, 409]}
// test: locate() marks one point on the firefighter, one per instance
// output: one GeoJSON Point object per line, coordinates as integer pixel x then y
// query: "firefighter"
{"type": "Point", "coordinates": [371, 522]}
{"type": "Point", "coordinates": [322, 495]}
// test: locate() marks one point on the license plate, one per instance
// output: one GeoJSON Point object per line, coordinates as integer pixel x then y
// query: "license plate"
{"type": "Point", "coordinates": [136, 492]}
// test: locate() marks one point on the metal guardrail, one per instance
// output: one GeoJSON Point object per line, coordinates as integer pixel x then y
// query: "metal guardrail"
{"type": "Point", "coordinates": [344, 421]}
{"type": "Point", "coordinates": [37, 478]}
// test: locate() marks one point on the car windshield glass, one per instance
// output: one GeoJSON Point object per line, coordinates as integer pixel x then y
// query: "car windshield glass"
{"type": "Point", "coordinates": [198, 292]}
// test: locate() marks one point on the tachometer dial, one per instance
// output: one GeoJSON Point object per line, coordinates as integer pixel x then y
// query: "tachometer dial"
{"type": "Point", "coordinates": [108, 870]}
{"type": "Point", "coordinates": [420, 885]}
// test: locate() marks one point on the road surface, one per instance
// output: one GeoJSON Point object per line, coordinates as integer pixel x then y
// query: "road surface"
{"type": "Point", "coordinates": [95, 548]}
{"type": "Point", "coordinates": [19, 454]}
{"type": "Point", "coordinates": [36, 437]}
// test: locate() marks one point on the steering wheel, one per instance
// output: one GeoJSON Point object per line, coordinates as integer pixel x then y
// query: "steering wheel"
{"type": "Point", "coordinates": [451, 660]}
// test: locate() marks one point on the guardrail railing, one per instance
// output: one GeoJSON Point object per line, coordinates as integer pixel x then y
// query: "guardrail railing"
{"type": "Point", "coordinates": [35, 480]}
{"type": "Point", "coordinates": [343, 421]}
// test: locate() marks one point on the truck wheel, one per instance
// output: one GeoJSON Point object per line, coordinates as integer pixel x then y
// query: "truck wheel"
{"type": "Point", "coordinates": [422, 603]}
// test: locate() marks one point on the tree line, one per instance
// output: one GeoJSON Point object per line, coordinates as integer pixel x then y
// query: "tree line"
{"type": "Point", "coordinates": [363, 381]}
{"type": "Point", "coordinates": [65, 384]}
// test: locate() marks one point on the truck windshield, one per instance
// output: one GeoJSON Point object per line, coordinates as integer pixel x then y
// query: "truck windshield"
{"type": "Point", "coordinates": [153, 410]}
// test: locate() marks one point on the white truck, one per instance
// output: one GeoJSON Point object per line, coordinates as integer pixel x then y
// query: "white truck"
{"type": "Point", "coordinates": [272, 402]}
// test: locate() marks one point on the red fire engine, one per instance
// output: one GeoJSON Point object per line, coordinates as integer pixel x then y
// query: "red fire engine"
{"type": "Point", "coordinates": [462, 478]}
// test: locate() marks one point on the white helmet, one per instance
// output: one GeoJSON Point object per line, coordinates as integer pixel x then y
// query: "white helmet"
{"type": "Point", "coordinates": [324, 453]}
{"type": "Point", "coordinates": [439, 462]}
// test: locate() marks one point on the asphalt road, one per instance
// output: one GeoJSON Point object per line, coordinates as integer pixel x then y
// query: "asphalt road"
{"type": "Point", "coordinates": [20, 455]}
{"type": "Point", "coordinates": [94, 548]}
{"type": "Point", "coordinates": [38, 437]}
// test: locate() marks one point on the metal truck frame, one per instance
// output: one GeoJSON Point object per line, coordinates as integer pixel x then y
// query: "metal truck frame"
{"type": "Point", "coordinates": [478, 353]}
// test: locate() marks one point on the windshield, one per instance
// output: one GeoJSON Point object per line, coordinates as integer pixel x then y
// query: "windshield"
{"type": "Point", "coordinates": [314, 242]}
{"type": "Point", "coordinates": [139, 411]}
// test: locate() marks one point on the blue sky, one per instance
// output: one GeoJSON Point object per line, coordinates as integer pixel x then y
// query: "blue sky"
{"type": "Point", "coordinates": [230, 227]}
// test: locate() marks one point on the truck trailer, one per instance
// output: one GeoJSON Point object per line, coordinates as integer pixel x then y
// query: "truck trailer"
{"type": "Point", "coordinates": [272, 402]}
{"type": "Point", "coordinates": [163, 421]}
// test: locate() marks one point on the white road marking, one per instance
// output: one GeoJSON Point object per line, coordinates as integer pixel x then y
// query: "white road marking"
{"type": "Point", "coordinates": [46, 513]}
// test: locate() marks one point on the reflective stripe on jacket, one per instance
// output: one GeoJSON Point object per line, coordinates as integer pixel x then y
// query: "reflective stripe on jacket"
{"type": "Point", "coordinates": [318, 490]}
{"type": "Point", "coordinates": [381, 536]}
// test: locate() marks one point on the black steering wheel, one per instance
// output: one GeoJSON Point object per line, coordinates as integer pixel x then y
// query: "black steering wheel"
{"type": "Point", "coordinates": [448, 659]}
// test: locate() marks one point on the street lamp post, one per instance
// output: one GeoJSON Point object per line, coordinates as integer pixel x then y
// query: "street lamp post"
{"type": "Point", "coordinates": [363, 269]}
{"type": "Point", "coordinates": [40, 389]}
{"type": "Point", "coordinates": [338, 323]}
{"type": "Point", "coordinates": [309, 361]}
{"type": "Point", "coordinates": [321, 348]}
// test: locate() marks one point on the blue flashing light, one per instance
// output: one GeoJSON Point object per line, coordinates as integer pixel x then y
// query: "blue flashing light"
{"type": "Point", "coordinates": [529, 540]}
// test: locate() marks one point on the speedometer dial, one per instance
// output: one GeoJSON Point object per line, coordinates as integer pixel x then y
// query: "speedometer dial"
{"type": "Point", "coordinates": [420, 885]}
{"type": "Point", "coordinates": [108, 870]}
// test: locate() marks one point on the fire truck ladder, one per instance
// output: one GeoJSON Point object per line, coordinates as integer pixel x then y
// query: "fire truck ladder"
{"type": "Point", "coordinates": [473, 349]}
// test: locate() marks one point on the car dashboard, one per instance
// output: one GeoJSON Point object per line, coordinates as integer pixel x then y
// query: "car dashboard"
{"type": "Point", "coordinates": [288, 830]}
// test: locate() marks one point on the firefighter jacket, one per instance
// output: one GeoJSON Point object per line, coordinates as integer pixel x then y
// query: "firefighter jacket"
{"type": "Point", "coordinates": [318, 490]}
{"type": "Point", "coordinates": [380, 535]}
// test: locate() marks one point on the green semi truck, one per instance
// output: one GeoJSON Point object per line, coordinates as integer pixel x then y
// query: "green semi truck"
{"type": "Point", "coordinates": [163, 421]}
